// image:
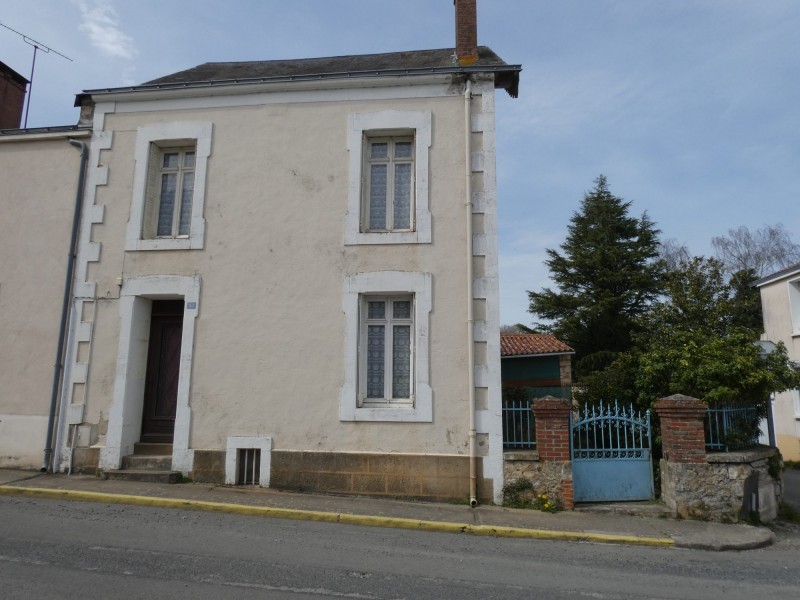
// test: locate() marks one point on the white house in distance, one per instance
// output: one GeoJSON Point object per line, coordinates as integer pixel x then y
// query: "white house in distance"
{"type": "Point", "coordinates": [286, 274]}
{"type": "Point", "coordinates": [780, 303]}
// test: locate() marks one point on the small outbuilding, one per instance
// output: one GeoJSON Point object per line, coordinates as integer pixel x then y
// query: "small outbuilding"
{"type": "Point", "coordinates": [535, 360]}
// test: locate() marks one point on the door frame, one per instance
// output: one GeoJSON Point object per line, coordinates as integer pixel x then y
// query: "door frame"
{"type": "Point", "coordinates": [125, 414]}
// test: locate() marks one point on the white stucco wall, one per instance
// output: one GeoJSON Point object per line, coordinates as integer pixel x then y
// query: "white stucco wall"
{"type": "Point", "coordinates": [778, 326]}
{"type": "Point", "coordinates": [38, 182]}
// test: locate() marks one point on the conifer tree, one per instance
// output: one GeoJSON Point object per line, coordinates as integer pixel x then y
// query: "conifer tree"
{"type": "Point", "coordinates": [607, 274]}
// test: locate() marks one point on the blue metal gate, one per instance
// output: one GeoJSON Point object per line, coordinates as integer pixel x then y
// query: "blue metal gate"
{"type": "Point", "coordinates": [611, 454]}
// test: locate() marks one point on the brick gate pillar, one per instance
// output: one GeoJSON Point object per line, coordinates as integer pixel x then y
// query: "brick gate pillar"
{"type": "Point", "coordinates": [552, 441]}
{"type": "Point", "coordinates": [684, 469]}
{"type": "Point", "coordinates": [682, 436]}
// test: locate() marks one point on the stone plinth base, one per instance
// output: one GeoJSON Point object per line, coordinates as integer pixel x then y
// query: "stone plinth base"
{"type": "Point", "coordinates": [553, 478]}
{"type": "Point", "coordinates": [727, 487]}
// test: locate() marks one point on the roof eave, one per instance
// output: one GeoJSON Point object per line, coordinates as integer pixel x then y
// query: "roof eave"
{"type": "Point", "coordinates": [789, 271]}
{"type": "Point", "coordinates": [42, 133]}
{"type": "Point", "coordinates": [537, 354]}
{"type": "Point", "coordinates": [506, 77]}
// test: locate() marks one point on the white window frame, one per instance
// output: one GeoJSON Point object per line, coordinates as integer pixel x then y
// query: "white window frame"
{"type": "Point", "coordinates": [389, 123]}
{"type": "Point", "coordinates": [357, 287]}
{"type": "Point", "coordinates": [150, 139]}
{"type": "Point", "coordinates": [388, 321]}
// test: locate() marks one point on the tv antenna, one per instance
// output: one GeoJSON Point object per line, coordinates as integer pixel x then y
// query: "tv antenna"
{"type": "Point", "coordinates": [36, 47]}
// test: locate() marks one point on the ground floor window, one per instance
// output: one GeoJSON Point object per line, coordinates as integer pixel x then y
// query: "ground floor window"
{"type": "Point", "coordinates": [386, 349]}
{"type": "Point", "coordinates": [387, 316]}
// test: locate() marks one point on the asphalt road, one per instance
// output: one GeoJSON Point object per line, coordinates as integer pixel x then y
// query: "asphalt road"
{"type": "Point", "coordinates": [54, 549]}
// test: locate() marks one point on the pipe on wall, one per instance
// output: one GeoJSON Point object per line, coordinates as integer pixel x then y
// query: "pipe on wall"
{"type": "Point", "coordinates": [473, 454]}
{"type": "Point", "coordinates": [58, 366]}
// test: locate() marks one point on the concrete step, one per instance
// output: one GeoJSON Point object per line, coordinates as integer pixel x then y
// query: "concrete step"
{"type": "Point", "coordinates": [147, 462]}
{"type": "Point", "coordinates": [143, 475]}
{"type": "Point", "coordinates": [144, 448]}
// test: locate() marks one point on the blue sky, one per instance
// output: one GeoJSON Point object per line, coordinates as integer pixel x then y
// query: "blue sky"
{"type": "Point", "coordinates": [691, 108]}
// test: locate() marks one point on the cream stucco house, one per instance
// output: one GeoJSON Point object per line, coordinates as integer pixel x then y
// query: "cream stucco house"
{"type": "Point", "coordinates": [780, 302]}
{"type": "Point", "coordinates": [286, 274]}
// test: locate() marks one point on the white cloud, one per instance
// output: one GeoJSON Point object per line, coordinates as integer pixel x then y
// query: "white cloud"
{"type": "Point", "coordinates": [101, 23]}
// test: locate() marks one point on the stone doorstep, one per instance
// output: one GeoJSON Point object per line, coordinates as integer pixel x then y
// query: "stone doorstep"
{"type": "Point", "coordinates": [152, 449]}
{"type": "Point", "coordinates": [146, 462]}
{"type": "Point", "coordinates": [149, 463]}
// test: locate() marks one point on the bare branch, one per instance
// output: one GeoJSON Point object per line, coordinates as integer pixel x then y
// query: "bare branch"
{"type": "Point", "coordinates": [764, 251]}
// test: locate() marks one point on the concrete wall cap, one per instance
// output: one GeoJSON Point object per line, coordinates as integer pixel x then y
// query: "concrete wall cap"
{"type": "Point", "coordinates": [678, 403]}
{"type": "Point", "coordinates": [551, 404]}
{"type": "Point", "coordinates": [742, 456]}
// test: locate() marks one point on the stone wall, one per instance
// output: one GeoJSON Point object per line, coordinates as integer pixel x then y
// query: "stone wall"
{"type": "Point", "coordinates": [546, 477]}
{"type": "Point", "coordinates": [728, 487]}
{"type": "Point", "coordinates": [432, 477]}
{"type": "Point", "coordinates": [443, 478]}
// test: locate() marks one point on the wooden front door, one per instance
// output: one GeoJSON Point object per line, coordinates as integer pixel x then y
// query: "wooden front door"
{"type": "Point", "coordinates": [161, 380]}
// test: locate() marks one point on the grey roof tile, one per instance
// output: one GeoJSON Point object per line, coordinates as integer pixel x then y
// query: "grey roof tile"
{"type": "Point", "coordinates": [397, 63]}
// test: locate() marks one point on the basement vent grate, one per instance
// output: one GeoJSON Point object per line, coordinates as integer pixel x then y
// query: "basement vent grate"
{"type": "Point", "coordinates": [248, 466]}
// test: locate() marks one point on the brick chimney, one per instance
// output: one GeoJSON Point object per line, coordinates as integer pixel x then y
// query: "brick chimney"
{"type": "Point", "coordinates": [466, 32]}
{"type": "Point", "coordinates": [12, 97]}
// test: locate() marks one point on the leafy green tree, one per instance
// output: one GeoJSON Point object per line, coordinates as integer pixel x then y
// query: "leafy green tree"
{"type": "Point", "coordinates": [696, 298]}
{"type": "Point", "coordinates": [725, 370]}
{"type": "Point", "coordinates": [699, 340]}
{"type": "Point", "coordinates": [607, 273]}
{"type": "Point", "coordinates": [746, 300]}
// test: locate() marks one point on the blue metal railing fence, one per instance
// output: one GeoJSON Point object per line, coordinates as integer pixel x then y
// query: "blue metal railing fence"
{"type": "Point", "coordinates": [519, 426]}
{"type": "Point", "coordinates": [731, 428]}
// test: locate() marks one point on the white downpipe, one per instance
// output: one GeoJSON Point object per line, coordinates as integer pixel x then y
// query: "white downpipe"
{"type": "Point", "coordinates": [473, 455]}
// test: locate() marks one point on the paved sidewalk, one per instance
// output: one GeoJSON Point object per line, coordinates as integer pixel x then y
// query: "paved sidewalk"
{"type": "Point", "coordinates": [580, 525]}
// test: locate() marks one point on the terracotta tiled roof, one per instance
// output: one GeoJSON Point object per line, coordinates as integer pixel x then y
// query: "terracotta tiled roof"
{"type": "Point", "coordinates": [527, 344]}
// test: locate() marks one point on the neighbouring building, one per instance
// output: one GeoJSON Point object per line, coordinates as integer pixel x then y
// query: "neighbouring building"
{"type": "Point", "coordinates": [780, 303]}
{"type": "Point", "coordinates": [538, 360]}
{"type": "Point", "coordinates": [286, 274]}
{"type": "Point", "coordinates": [39, 176]}
{"type": "Point", "coordinates": [12, 97]}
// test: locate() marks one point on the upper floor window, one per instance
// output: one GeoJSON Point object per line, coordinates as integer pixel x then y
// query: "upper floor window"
{"type": "Point", "coordinates": [169, 186]}
{"type": "Point", "coordinates": [389, 184]}
{"type": "Point", "coordinates": [388, 178]}
{"type": "Point", "coordinates": [170, 192]}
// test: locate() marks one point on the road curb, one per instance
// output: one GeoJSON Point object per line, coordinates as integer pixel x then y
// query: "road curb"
{"type": "Point", "coordinates": [762, 539]}
{"type": "Point", "coordinates": [310, 515]}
